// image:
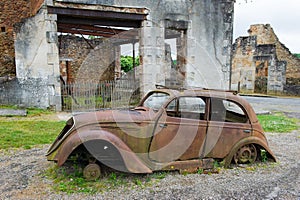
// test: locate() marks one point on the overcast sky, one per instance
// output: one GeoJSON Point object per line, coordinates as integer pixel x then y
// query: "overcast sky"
{"type": "Point", "coordinates": [282, 15]}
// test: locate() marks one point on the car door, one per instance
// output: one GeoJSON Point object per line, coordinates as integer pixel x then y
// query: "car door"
{"type": "Point", "coordinates": [180, 130]}
{"type": "Point", "coordinates": [228, 123]}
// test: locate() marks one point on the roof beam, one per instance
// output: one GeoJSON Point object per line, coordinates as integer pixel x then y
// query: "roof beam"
{"type": "Point", "coordinates": [96, 14]}
{"type": "Point", "coordinates": [101, 22]}
{"type": "Point", "coordinates": [88, 30]}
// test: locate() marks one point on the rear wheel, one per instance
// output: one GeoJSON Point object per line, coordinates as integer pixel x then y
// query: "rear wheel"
{"type": "Point", "coordinates": [245, 154]}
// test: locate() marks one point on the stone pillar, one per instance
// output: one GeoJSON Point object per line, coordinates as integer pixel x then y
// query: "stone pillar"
{"type": "Point", "coordinates": [37, 60]}
{"type": "Point", "coordinates": [152, 51]}
{"type": "Point", "coordinates": [53, 60]}
{"type": "Point", "coordinates": [117, 62]}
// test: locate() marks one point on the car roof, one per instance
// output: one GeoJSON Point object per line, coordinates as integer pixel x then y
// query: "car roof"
{"type": "Point", "coordinates": [196, 91]}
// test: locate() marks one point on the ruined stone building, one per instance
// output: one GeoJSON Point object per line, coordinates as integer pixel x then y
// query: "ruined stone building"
{"type": "Point", "coordinates": [79, 40]}
{"type": "Point", "coordinates": [262, 64]}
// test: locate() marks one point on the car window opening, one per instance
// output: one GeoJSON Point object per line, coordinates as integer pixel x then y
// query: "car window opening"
{"type": "Point", "coordinates": [227, 111]}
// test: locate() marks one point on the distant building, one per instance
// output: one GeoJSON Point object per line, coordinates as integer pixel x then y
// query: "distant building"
{"type": "Point", "coordinates": [262, 64]}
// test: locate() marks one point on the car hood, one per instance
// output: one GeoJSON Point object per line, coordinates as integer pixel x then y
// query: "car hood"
{"type": "Point", "coordinates": [110, 116]}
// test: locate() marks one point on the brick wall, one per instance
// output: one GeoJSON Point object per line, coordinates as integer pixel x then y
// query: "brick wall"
{"type": "Point", "coordinates": [85, 60]}
{"type": "Point", "coordinates": [35, 5]}
{"type": "Point", "coordinates": [11, 12]}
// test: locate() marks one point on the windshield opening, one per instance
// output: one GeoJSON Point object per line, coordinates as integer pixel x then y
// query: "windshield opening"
{"type": "Point", "coordinates": [156, 100]}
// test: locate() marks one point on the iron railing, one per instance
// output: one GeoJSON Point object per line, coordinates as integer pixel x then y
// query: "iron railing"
{"type": "Point", "coordinates": [89, 96]}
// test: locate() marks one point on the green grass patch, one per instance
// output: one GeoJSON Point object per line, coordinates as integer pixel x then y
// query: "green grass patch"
{"type": "Point", "coordinates": [26, 134]}
{"type": "Point", "coordinates": [31, 112]}
{"type": "Point", "coordinates": [278, 123]}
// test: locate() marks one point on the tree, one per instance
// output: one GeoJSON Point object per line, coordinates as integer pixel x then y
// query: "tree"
{"type": "Point", "coordinates": [127, 63]}
{"type": "Point", "coordinates": [297, 55]}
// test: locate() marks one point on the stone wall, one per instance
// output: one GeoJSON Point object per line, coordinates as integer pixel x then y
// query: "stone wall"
{"type": "Point", "coordinates": [262, 64]}
{"type": "Point", "coordinates": [7, 57]}
{"type": "Point", "coordinates": [243, 67]}
{"type": "Point", "coordinates": [83, 56]}
{"type": "Point", "coordinates": [206, 36]}
{"type": "Point", "coordinates": [37, 55]}
{"type": "Point", "coordinates": [26, 93]}
{"type": "Point", "coordinates": [11, 14]}
{"type": "Point", "coordinates": [265, 35]}
{"type": "Point", "coordinates": [206, 27]}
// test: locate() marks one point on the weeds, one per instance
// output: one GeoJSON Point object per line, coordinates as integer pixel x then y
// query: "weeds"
{"type": "Point", "coordinates": [263, 155]}
{"type": "Point", "coordinates": [69, 179]}
{"type": "Point", "coordinates": [200, 171]}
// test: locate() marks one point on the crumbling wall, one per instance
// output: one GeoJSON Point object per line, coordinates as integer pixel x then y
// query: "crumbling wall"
{"type": "Point", "coordinates": [7, 57]}
{"type": "Point", "coordinates": [37, 60]}
{"type": "Point", "coordinates": [243, 67]}
{"type": "Point", "coordinates": [270, 72]}
{"type": "Point", "coordinates": [75, 49]}
{"type": "Point", "coordinates": [207, 28]}
{"type": "Point", "coordinates": [11, 13]}
{"type": "Point", "coordinates": [276, 69]}
{"type": "Point", "coordinates": [265, 35]}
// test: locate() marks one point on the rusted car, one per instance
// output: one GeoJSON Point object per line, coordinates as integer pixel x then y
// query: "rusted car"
{"type": "Point", "coordinates": [170, 129]}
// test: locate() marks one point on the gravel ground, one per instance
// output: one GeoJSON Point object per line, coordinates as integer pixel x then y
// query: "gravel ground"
{"type": "Point", "coordinates": [21, 179]}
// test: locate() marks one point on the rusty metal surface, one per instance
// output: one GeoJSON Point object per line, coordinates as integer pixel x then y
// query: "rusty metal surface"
{"type": "Point", "coordinates": [149, 139]}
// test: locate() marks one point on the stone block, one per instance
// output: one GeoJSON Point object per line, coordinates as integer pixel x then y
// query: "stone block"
{"type": "Point", "coordinates": [51, 37]}
{"type": "Point", "coordinates": [10, 112]}
{"type": "Point", "coordinates": [52, 58]}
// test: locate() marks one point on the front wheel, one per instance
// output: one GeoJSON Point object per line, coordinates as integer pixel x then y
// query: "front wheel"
{"type": "Point", "coordinates": [91, 172]}
{"type": "Point", "coordinates": [245, 154]}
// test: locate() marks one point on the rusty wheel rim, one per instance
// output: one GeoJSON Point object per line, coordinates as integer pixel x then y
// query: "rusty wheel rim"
{"type": "Point", "coordinates": [92, 172]}
{"type": "Point", "coordinates": [246, 154]}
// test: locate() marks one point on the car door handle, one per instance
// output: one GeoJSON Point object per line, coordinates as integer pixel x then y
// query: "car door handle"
{"type": "Point", "coordinates": [247, 131]}
{"type": "Point", "coordinates": [163, 125]}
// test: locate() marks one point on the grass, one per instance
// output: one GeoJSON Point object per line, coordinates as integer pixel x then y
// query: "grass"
{"type": "Point", "coordinates": [277, 123]}
{"type": "Point", "coordinates": [26, 132]}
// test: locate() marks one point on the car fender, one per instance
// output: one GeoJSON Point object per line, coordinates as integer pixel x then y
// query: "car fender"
{"type": "Point", "coordinates": [245, 141]}
{"type": "Point", "coordinates": [75, 139]}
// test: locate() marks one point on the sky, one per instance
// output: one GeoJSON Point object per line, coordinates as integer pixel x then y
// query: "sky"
{"type": "Point", "coordinates": [282, 15]}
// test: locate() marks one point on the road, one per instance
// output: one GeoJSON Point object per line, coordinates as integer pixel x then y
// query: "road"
{"type": "Point", "coordinates": [290, 106]}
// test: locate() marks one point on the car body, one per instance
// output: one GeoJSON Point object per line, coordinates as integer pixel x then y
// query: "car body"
{"type": "Point", "coordinates": [170, 129]}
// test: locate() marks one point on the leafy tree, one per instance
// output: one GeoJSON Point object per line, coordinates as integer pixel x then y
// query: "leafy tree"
{"type": "Point", "coordinates": [297, 55]}
{"type": "Point", "coordinates": [127, 63]}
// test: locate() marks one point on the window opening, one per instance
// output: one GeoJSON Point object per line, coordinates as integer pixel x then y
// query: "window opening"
{"type": "Point", "coordinates": [227, 111]}
{"type": "Point", "coordinates": [187, 107]}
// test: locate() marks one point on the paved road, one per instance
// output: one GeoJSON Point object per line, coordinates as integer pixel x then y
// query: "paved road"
{"type": "Point", "coordinates": [275, 104]}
